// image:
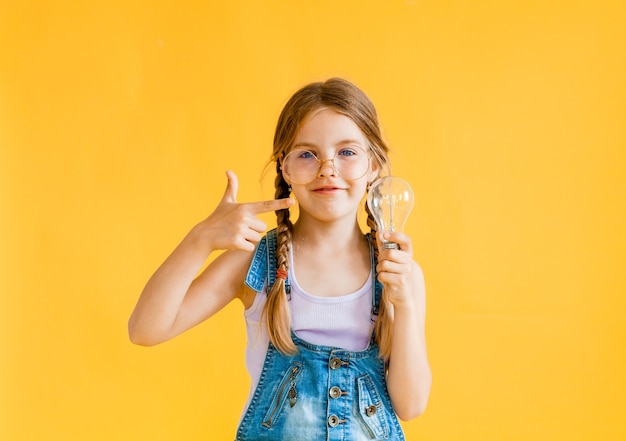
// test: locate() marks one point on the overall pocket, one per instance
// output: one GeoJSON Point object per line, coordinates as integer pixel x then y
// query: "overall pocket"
{"type": "Point", "coordinates": [285, 392]}
{"type": "Point", "coordinates": [372, 409]}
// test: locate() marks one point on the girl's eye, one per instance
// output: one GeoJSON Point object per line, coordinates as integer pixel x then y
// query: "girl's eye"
{"type": "Point", "coordinates": [305, 154]}
{"type": "Point", "coordinates": [347, 152]}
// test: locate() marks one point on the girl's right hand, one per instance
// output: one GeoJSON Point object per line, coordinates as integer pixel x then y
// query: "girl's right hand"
{"type": "Point", "coordinates": [174, 299]}
{"type": "Point", "coordinates": [233, 225]}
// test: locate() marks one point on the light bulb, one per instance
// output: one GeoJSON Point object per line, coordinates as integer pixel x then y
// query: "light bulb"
{"type": "Point", "coordinates": [390, 200]}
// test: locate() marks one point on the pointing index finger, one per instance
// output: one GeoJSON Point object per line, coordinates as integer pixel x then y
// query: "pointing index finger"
{"type": "Point", "coordinates": [271, 205]}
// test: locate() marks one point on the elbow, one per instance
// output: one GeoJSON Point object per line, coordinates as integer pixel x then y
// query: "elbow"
{"type": "Point", "coordinates": [411, 410]}
{"type": "Point", "coordinates": [408, 409]}
{"type": "Point", "coordinates": [140, 338]}
{"type": "Point", "coordinates": [137, 339]}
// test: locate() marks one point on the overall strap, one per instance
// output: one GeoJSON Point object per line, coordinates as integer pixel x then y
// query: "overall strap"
{"type": "Point", "coordinates": [263, 266]}
{"type": "Point", "coordinates": [377, 287]}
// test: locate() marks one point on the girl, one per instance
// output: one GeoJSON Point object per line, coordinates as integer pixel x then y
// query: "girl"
{"type": "Point", "coordinates": [335, 322]}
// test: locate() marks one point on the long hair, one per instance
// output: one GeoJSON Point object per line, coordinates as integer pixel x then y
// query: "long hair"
{"type": "Point", "coordinates": [346, 99]}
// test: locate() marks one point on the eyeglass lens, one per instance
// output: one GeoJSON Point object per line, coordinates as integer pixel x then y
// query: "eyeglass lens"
{"type": "Point", "coordinates": [302, 166]}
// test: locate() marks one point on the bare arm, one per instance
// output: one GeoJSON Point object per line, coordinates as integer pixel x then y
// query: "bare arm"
{"type": "Point", "coordinates": [172, 300]}
{"type": "Point", "coordinates": [409, 376]}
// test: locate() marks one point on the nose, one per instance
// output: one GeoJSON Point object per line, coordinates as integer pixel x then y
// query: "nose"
{"type": "Point", "coordinates": [327, 170]}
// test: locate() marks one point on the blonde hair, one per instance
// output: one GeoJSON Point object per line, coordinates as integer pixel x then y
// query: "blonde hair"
{"type": "Point", "coordinates": [346, 99]}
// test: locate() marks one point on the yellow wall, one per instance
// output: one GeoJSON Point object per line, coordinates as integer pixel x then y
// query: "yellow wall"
{"type": "Point", "coordinates": [118, 119]}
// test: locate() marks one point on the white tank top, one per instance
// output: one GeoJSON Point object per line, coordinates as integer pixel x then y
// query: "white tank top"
{"type": "Point", "coordinates": [344, 322]}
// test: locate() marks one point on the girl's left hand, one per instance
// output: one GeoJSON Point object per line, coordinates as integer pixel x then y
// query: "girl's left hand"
{"type": "Point", "coordinates": [397, 270]}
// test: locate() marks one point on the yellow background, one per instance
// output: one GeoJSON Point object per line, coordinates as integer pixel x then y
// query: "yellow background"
{"type": "Point", "coordinates": [118, 119]}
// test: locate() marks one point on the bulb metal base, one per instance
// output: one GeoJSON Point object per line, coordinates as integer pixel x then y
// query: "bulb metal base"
{"type": "Point", "coordinates": [391, 246]}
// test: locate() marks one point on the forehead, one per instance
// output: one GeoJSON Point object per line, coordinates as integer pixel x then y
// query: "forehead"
{"type": "Point", "coordinates": [327, 127]}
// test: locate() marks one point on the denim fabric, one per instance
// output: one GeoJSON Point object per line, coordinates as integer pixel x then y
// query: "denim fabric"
{"type": "Point", "coordinates": [320, 393]}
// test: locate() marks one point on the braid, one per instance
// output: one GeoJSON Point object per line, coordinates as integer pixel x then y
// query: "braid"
{"type": "Point", "coordinates": [276, 311]}
{"type": "Point", "coordinates": [383, 328]}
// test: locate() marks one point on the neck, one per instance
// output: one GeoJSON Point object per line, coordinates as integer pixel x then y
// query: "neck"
{"type": "Point", "coordinates": [334, 234]}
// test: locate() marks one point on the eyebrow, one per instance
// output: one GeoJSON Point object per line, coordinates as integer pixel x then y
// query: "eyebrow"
{"type": "Point", "coordinates": [339, 144]}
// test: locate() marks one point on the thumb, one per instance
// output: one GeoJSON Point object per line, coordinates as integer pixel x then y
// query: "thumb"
{"type": "Point", "coordinates": [230, 194]}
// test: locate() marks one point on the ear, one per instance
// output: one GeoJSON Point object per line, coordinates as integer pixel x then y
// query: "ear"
{"type": "Point", "coordinates": [374, 172]}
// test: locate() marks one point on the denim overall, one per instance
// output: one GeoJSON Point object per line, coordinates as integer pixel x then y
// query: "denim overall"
{"type": "Point", "coordinates": [320, 393]}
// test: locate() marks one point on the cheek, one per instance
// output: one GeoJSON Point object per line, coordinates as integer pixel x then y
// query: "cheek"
{"type": "Point", "coordinates": [297, 191]}
{"type": "Point", "coordinates": [360, 186]}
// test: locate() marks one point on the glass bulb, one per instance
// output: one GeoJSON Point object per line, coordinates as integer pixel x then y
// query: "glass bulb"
{"type": "Point", "coordinates": [390, 200]}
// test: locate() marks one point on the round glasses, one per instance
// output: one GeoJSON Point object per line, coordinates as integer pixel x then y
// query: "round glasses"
{"type": "Point", "coordinates": [302, 166]}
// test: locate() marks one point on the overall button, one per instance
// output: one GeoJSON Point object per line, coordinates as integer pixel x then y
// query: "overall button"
{"type": "Point", "coordinates": [371, 410]}
{"type": "Point", "coordinates": [335, 363]}
{"type": "Point", "coordinates": [335, 392]}
{"type": "Point", "coordinates": [333, 420]}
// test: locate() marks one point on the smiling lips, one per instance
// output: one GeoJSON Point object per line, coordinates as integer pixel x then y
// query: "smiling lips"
{"type": "Point", "coordinates": [326, 189]}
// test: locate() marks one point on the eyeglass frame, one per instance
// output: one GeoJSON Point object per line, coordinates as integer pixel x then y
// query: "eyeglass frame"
{"type": "Point", "coordinates": [320, 162]}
